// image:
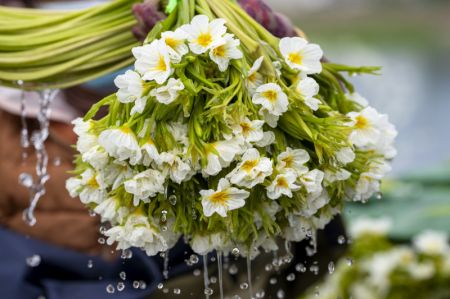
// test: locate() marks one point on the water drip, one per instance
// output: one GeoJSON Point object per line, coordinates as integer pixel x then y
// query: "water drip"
{"type": "Point", "coordinates": [166, 265]}
{"type": "Point", "coordinates": [220, 269]}
{"type": "Point", "coordinates": [205, 277]}
{"type": "Point", "coordinates": [249, 276]}
{"type": "Point", "coordinates": [38, 138]}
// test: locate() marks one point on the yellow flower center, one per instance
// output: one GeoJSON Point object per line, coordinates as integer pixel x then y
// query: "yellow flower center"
{"type": "Point", "coordinates": [162, 67]}
{"type": "Point", "coordinates": [220, 197]}
{"type": "Point", "coordinates": [288, 161]}
{"type": "Point", "coordinates": [93, 183]}
{"type": "Point", "coordinates": [125, 130]}
{"type": "Point", "coordinates": [219, 51]}
{"type": "Point", "coordinates": [271, 95]}
{"type": "Point", "coordinates": [204, 39]}
{"type": "Point", "coordinates": [295, 58]}
{"type": "Point", "coordinates": [361, 122]}
{"type": "Point", "coordinates": [252, 77]}
{"type": "Point", "coordinates": [249, 165]}
{"type": "Point", "coordinates": [246, 128]}
{"type": "Point", "coordinates": [282, 182]}
{"type": "Point", "coordinates": [171, 42]}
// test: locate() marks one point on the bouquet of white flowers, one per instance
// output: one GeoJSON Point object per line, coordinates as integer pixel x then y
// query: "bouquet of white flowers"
{"type": "Point", "coordinates": [382, 270]}
{"type": "Point", "coordinates": [228, 136]}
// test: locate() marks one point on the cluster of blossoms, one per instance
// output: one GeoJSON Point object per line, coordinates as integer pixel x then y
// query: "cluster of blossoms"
{"type": "Point", "coordinates": [383, 270]}
{"type": "Point", "coordinates": [230, 149]}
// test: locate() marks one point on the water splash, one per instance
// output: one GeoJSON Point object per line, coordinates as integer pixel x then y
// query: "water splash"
{"type": "Point", "coordinates": [38, 138]}
{"type": "Point", "coordinates": [24, 136]}
{"type": "Point", "coordinates": [166, 265]}
{"type": "Point", "coordinates": [208, 291]}
{"type": "Point", "coordinates": [220, 269]}
{"type": "Point", "coordinates": [249, 276]}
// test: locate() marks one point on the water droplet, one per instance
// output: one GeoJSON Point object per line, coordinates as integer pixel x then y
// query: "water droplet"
{"type": "Point", "coordinates": [349, 261]}
{"type": "Point", "coordinates": [136, 284]}
{"type": "Point", "coordinates": [26, 180]}
{"type": "Point", "coordinates": [314, 269]}
{"type": "Point", "coordinates": [160, 286]}
{"type": "Point", "coordinates": [177, 291]}
{"type": "Point", "coordinates": [28, 216]}
{"type": "Point", "coordinates": [233, 270]}
{"type": "Point", "coordinates": [243, 286]}
{"type": "Point", "coordinates": [341, 240]}
{"type": "Point", "coordinates": [110, 289]}
{"type": "Point", "coordinates": [213, 279]}
{"type": "Point", "coordinates": [260, 294]}
{"type": "Point", "coordinates": [57, 161]}
{"type": "Point", "coordinates": [102, 230]}
{"type": "Point", "coordinates": [273, 280]}
{"type": "Point", "coordinates": [235, 251]}
{"type": "Point", "coordinates": [165, 290]}
{"type": "Point", "coordinates": [290, 277]}
{"type": "Point", "coordinates": [101, 240]}
{"type": "Point", "coordinates": [268, 267]}
{"type": "Point", "coordinates": [126, 254]}
{"type": "Point", "coordinates": [120, 286]}
{"type": "Point", "coordinates": [123, 275]}
{"type": "Point", "coordinates": [92, 213]}
{"type": "Point", "coordinates": [330, 267]}
{"type": "Point", "coordinates": [197, 272]}
{"type": "Point", "coordinates": [300, 268]}
{"type": "Point", "coordinates": [34, 260]}
{"type": "Point", "coordinates": [90, 264]}
{"type": "Point", "coordinates": [173, 199]}
{"type": "Point", "coordinates": [379, 195]}
{"type": "Point", "coordinates": [142, 285]}
{"type": "Point", "coordinates": [193, 259]}
{"type": "Point", "coordinates": [280, 294]}
{"type": "Point", "coordinates": [208, 291]}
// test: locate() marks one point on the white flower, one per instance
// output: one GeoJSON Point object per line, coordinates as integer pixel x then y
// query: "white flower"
{"type": "Point", "coordinates": [221, 155]}
{"type": "Point", "coordinates": [314, 202]}
{"type": "Point", "coordinates": [293, 159]}
{"type": "Point", "coordinates": [137, 232]}
{"type": "Point", "coordinates": [89, 187]}
{"type": "Point", "coordinates": [308, 89]}
{"type": "Point", "coordinates": [270, 119]}
{"type": "Point", "coordinates": [299, 228]}
{"type": "Point", "coordinates": [178, 169]}
{"type": "Point", "coordinates": [369, 182]}
{"type": "Point", "coordinates": [96, 157]}
{"type": "Point", "coordinates": [313, 181]}
{"type": "Point", "coordinates": [268, 139]}
{"type": "Point", "coordinates": [370, 226]}
{"type": "Point", "coordinates": [175, 42]}
{"type": "Point", "coordinates": [121, 144]}
{"type": "Point", "coordinates": [300, 55]}
{"type": "Point", "coordinates": [272, 98]}
{"type": "Point", "coordinates": [168, 93]}
{"type": "Point", "coordinates": [139, 106]}
{"type": "Point", "coordinates": [345, 155]}
{"type": "Point", "coordinates": [254, 78]}
{"type": "Point", "coordinates": [130, 87]}
{"type": "Point", "coordinates": [86, 139]}
{"type": "Point", "coordinates": [283, 184]}
{"type": "Point", "coordinates": [224, 50]}
{"type": "Point", "coordinates": [222, 200]}
{"type": "Point", "coordinates": [421, 271]}
{"type": "Point", "coordinates": [252, 170]}
{"type": "Point", "coordinates": [114, 174]}
{"type": "Point", "coordinates": [145, 185]}
{"type": "Point", "coordinates": [432, 243]}
{"type": "Point", "coordinates": [208, 243]}
{"type": "Point", "coordinates": [179, 131]}
{"type": "Point", "coordinates": [153, 61]}
{"type": "Point", "coordinates": [202, 34]}
{"type": "Point", "coordinates": [332, 176]}
{"type": "Point", "coordinates": [365, 127]}
{"type": "Point", "coordinates": [110, 210]}
{"type": "Point", "coordinates": [149, 153]}
{"type": "Point", "coordinates": [251, 130]}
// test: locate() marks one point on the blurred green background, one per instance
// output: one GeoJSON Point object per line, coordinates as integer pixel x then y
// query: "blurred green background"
{"type": "Point", "coordinates": [410, 39]}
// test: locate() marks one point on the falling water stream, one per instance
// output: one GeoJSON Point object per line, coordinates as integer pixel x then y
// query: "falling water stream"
{"type": "Point", "coordinates": [249, 276]}
{"type": "Point", "coordinates": [208, 291]}
{"type": "Point", "coordinates": [37, 187]}
{"type": "Point", "coordinates": [219, 270]}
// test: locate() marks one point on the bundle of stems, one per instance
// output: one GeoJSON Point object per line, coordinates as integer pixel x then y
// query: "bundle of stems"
{"type": "Point", "coordinates": [57, 49]}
